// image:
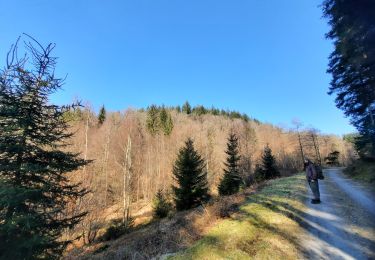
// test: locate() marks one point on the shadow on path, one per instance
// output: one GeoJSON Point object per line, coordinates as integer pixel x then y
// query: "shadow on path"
{"type": "Point", "coordinates": [343, 225]}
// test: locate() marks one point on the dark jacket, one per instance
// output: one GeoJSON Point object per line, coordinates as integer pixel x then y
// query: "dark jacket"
{"type": "Point", "coordinates": [311, 173]}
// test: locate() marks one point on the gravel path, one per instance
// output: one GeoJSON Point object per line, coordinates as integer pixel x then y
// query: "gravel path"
{"type": "Point", "coordinates": [343, 225]}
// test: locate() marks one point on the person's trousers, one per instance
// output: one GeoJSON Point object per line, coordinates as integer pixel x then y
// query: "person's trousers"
{"type": "Point", "coordinates": [314, 186]}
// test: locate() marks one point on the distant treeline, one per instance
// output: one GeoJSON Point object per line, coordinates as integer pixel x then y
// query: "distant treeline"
{"type": "Point", "coordinates": [202, 110]}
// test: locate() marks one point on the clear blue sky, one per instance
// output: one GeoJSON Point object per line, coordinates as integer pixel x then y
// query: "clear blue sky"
{"type": "Point", "coordinates": [267, 58]}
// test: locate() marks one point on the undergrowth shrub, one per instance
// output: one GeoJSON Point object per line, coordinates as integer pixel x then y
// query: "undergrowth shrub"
{"type": "Point", "coordinates": [118, 228]}
{"type": "Point", "coordinates": [161, 206]}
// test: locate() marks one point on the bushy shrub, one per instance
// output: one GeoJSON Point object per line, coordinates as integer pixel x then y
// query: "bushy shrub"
{"type": "Point", "coordinates": [259, 174]}
{"type": "Point", "coordinates": [118, 228]}
{"type": "Point", "coordinates": [161, 206]}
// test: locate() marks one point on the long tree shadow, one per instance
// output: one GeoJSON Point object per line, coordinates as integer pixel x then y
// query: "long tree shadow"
{"type": "Point", "coordinates": [324, 226]}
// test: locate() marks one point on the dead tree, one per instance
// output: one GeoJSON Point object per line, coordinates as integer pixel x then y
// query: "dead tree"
{"type": "Point", "coordinates": [315, 141]}
{"type": "Point", "coordinates": [105, 163]}
{"type": "Point", "coordinates": [298, 124]}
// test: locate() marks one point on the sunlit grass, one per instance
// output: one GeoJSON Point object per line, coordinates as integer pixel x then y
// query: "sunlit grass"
{"type": "Point", "coordinates": [264, 228]}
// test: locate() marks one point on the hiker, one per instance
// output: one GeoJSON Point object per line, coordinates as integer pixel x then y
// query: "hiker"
{"type": "Point", "coordinates": [312, 178]}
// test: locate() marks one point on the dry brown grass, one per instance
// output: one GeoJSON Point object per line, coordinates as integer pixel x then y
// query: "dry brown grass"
{"type": "Point", "coordinates": [167, 235]}
{"type": "Point", "coordinates": [264, 227]}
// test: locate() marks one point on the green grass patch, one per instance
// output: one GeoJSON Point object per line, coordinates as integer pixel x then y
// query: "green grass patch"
{"type": "Point", "coordinates": [266, 226]}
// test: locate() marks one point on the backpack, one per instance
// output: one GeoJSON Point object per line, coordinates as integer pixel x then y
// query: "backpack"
{"type": "Point", "coordinates": [319, 171]}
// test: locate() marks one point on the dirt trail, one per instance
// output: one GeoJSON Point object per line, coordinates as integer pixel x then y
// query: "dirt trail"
{"type": "Point", "coordinates": [343, 225]}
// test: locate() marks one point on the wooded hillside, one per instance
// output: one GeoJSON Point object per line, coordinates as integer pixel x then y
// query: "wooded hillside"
{"type": "Point", "coordinates": [133, 152]}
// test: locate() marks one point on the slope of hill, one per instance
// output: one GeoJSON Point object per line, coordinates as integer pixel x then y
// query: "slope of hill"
{"type": "Point", "coordinates": [132, 157]}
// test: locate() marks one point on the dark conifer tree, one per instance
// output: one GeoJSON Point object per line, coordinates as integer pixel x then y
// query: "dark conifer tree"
{"type": "Point", "coordinates": [34, 166]}
{"type": "Point", "coordinates": [267, 170]}
{"type": "Point", "coordinates": [186, 108]}
{"type": "Point", "coordinates": [191, 178]}
{"type": "Point", "coordinates": [231, 181]}
{"type": "Point", "coordinates": [102, 115]}
{"type": "Point", "coordinates": [352, 63]}
{"type": "Point", "coordinates": [161, 206]}
{"type": "Point", "coordinates": [166, 122]}
{"type": "Point", "coordinates": [199, 110]}
{"type": "Point", "coordinates": [153, 121]}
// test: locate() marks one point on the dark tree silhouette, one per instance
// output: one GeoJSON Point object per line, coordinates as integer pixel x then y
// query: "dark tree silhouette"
{"type": "Point", "coordinates": [267, 170]}
{"type": "Point", "coordinates": [231, 181]}
{"type": "Point", "coordinates": [161, 206]}
{"type": "Point", "coordinates": [152, 121]}
{"type": "Point", "coordinates": [352, 63]}
{"type": "Point", "coordinates": [34, 166]}
{"type": "Point", "coordinates": [186, 108]}
{"type": "Point", "coordinates": [102, 115]}
{"type": "Point", "coordinates": [191, 178]}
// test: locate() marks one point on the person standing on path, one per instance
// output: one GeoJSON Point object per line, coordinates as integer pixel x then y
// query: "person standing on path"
{"type": "Point", "coordinates": [312, 179]}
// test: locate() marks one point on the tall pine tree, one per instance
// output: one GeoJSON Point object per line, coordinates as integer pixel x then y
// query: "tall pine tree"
{"type": "Point", "coordinates": [191, 178]}
{"type": "Point", "coordinates": [102, 115]}
{"type": "Point", "coordinates": [352, 63]}
{"type": "Point", "coordinates": [267, 170]}
{"type": "Point", "coordinates": [34, 164]}
{"type": "Point", "coordinates": [231, 181]}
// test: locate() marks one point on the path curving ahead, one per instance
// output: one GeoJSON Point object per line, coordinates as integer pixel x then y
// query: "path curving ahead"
{"type": "Point", "coordinates": [343, 225]}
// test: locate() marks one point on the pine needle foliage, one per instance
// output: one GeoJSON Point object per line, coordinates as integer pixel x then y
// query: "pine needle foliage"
{"type": "Point", "coordinates": [152, 121]}
{"type": "Point", "coordinates": [191, 178]}
{"type": "Point", "coordinates": [159, 120]}
{"type": "Point", "coordinates": [34, 165]}
{"type": "Point", "coordinates": [166, 122]}
{"type": "Point", "coordinates": [231, 180]}
{"type": "Point", "coordinates": [352, 65]}
{"type": "Point", "coordinates": [268, 169]}
{"type": "Point", "coordinates": [186, 108]}
{"type": "Point", "coordinates": [161, 206]}
{"type": "Point", "coordinates": [102, 115]}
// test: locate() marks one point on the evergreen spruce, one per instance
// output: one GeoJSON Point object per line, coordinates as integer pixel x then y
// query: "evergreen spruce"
{"type": "Point", "coordinates": [268, 169]}
{"type": "Point", "coordinates": [352, 64]}
{"type": "Point", "coordinates": [186, 108]}
{"type": "Point", "coordinates": [166, 122]}
{"type": "Point", "coordinates": [199, 110]}
{"type": "Point", "coordinates": [161, 206]}
{"type": "Point", "coordinates": [152, 121]}
{"type": "Point", "coordinates": [34, 166]}
{"type": "Point", "coordinates": [102, 115]}
{"type": "Point", "coordinates": [231, 181]}
{"type": "Point", "coordinates": [168, 125]}
{"type": "Point", "coordinates": [191, 178]}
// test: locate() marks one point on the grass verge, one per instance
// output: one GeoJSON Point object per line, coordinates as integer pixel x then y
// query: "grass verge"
{"type": "Point", "coordinates": [265, 227]}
